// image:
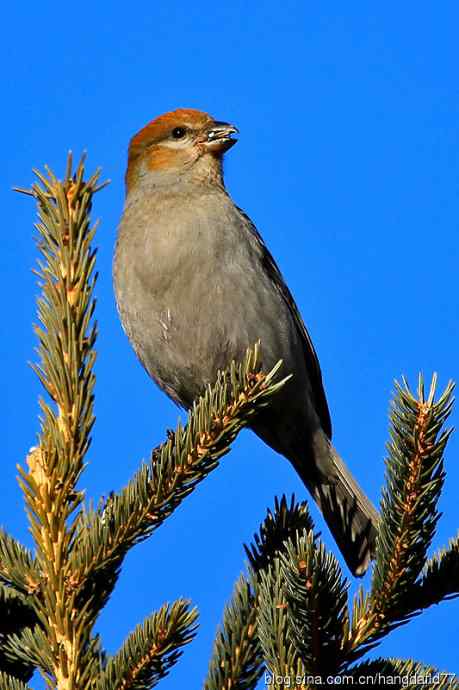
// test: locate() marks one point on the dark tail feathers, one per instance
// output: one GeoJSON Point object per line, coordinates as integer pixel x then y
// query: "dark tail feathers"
{"type": "Point", "coordinates": [350, 515]}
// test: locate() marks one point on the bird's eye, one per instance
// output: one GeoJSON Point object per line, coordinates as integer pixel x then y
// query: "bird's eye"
{"type": "Point", "coordinates": [179, 132]}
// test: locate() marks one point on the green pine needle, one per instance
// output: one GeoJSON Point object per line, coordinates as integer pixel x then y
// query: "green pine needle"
{"type": "Point", "coordinates": [17, 566]}
{"type": "Point", "coordinates": [439, 579]}
{"type": "Point", "coordinates": [316, 597]}
{"type": "Point", "coordinates": [60, 645]}
{"type": "Point", "coordinates": [31, 647]}
{"type": "Point", "coordinates": [16, 614]}
{"type": "Point", "coordinates": [414, 480]}
{"type": "Point", "coordinates": [400, 673]}
{"type": "Point", "coordinates": [276, 528]}
{"type": "Point", "coordinates": [409, 515]}
{"type": "Point", "coordinates": [274, 634]}
{"type": "Point", "coordinates": [151, 650]}
{"type": "Point", "coordinates": [237, 661]}
{"type": "Point", "coordinates": [8, 682]}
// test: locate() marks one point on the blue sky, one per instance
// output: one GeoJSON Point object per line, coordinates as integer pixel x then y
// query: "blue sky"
{"type": "Point", "coordinates": [347, 162]}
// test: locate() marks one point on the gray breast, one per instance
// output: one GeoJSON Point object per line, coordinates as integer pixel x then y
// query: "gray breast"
{"type": "Point", "coordinates": [192, 291]}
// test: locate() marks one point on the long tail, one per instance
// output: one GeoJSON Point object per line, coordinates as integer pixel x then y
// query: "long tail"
{"type": "Point", "coordinates": [350, 515]}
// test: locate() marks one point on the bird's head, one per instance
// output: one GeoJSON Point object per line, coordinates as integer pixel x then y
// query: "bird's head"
{"type": "Point", "coordinates": [182, 142]}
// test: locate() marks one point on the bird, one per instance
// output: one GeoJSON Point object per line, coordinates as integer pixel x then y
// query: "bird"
{"type": "Point", "coordinates": [195, 286]}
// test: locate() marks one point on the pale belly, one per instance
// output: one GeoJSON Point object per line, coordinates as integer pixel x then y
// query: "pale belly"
{"type": "Point", "coordinates": [191, 307]}
{"type": "Point", "coordinates": [184, 340]}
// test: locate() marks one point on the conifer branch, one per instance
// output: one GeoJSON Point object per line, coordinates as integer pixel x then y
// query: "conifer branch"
{"type": "Point", "coordinates": [415, 476]}
{"type": "Point", "coordinates": [264, 553]}
{"type": "Point", "coordinates": [414, 479]}
{"type": "Point", "coordinates": [17, 566]}
{"type": "Point", "coordinates": [16, 614]}
{"type": "Point", "coordinates": [439, 579]}
{"type": "Point", "coordinates": [302, 612]}
{"type": "Point", "coordinates": [316, 598]}
{"type": "Point", "coordinates": [151, 650]}
{"type": "Point", "coordinates": [279, 650]}
{"type": "Point", "coordinates": [278, 526]}
{"type": "Point", "coordinates": [14, 604]}
{"type": "Point", "coordinates": [176, 468]}
{"type": "Point", "coordinates": [32, 647]}
{"type": "Point", "coordinates": [401, 673]}
{"type": "Point", "coordinates": [66, 337]}
{"type": "Point", "coordinates": [237, 661]}
{"type": "Point", "coordinates": [8, 682]}
{"type": "Point", "coordinates": [303, 623]}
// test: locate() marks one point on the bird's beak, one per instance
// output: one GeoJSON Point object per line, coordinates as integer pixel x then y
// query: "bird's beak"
{"type": "Point", "coordinates": [218, 137]}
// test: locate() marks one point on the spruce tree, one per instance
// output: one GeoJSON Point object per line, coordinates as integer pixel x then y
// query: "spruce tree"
{"type": "Point", "coordinates": [291, 621]}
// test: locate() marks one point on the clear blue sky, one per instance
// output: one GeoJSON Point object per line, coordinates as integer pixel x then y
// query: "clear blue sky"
{"type": "Point", "coordinates": [347, 162]}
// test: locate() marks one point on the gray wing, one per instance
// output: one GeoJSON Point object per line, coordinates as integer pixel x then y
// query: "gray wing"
{"type": "Point", "coordinates": [311, 359]}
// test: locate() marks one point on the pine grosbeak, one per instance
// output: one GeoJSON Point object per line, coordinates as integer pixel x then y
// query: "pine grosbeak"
{"type": "Point", "coordinates": [195, 286]}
